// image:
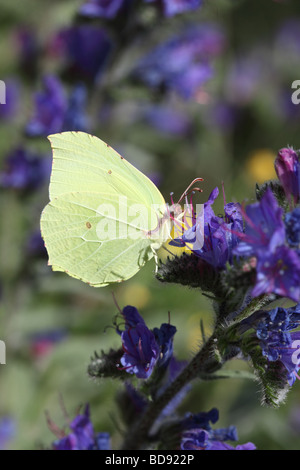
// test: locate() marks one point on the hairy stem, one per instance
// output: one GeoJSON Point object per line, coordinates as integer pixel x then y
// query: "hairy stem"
{"type": "Point", "coordinates": [206, 361]}
{"type": "Point", "coordinates": [202, 362]}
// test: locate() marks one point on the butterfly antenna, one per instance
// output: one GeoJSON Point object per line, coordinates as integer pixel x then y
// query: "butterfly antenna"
{"type": "Point", "coordinates": [188, 188]}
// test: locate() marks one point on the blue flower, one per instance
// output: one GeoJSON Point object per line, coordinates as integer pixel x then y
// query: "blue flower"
{"type": "Point", "coordinates": [85, 50]}
{"type": "Point", "coordinates": [292, 226]}
{"type": "Point", "coordinates": [173, 7]}
{"type": "Point", "coordinates": [264, 227]}
{"type": "Point", "coordinates": [278, 272]}
{"type": "Point", "coordinates": [102, 8]}
{"type": "Point", "coordinates": [197, 434]}
{"type": "Point", "coordinates": [7, 430]}
{"type": "Point", "coordinates": [220, 233]}
{"type": "Point", "coordinates": [50, 108]}
{"type": "Point", "coordinates": [287, 167]}
{"type": "Point", "coordinates": [276, 338]}
{"type": "Point", "coordinates": [168, 120]}
{"type": "Point", "coordinates": [182, 63]}
{"type": "Point", "coordinates": [140, 351]}
{"type": "Point", "coordinates": [131, 317]}
{"type": "Point", "coordinates": [83, 436]}
{"type": "Point", "coordinates": [55, 113]}
{"type": "Point", "coordinates": [24, 170]}
{"type": "Point", "coordinates": [75, 118]}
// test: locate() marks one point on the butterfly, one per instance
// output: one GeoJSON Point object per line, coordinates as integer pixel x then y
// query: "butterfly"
{"type": "Point", "coordinates": [105, 218]}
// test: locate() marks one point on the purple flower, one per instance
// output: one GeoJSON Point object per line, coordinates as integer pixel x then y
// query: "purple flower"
{"type": "Point", "coordinates": [28, 50]}
{"type": "Point", "coordinates": [174, 7]}
{"type": "Point", "coordinates": [278, 272]}
{"type": "Point", "coordinates": [132, 318]}
{"type": "Point", "coordinates": [277, 340]}
{"type": "Point", "coordinates": [292, 226]}
{"type": "Point", "coordinates": [140, 351]}
{"type": "Point", "coordinates": [264, 227]}
{"type": "Point", "coordinates": [43, 342]}
{"type": "Point", "coordinates": [168, 120]}
{"type": "Point", "coordinates": [220, 234]}
{"type": "Point", "coordinates": [182, 63]}
{"type": "Point", "coordinates": [82, 436]}
{"type": "Point", "coordinates": [24, 170]}
{"type": "Point", "coordinates": [198, 435]}
{"type": "Point", "coordinates": [287, 167]}
{"type": "Point", "coordinates": [7, 430]}
{"type": "Point", "coordinates": [54, 113]}
{"type": "Point", "coordinates": [243, 80]}
{"type": "Point", "coordinates": [85, 50]}
{"type": "Point", "coordinates": [75, 118]}
{"type": "Point", "coordinates": [50, 108]}
{"type": "Point", "coordinates": [102, 8]}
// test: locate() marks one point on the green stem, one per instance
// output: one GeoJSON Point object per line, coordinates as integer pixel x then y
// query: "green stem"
{"type": "Point", "coordinates": [202, 362]}
{"type": "Point", "coordinates": [256, 304]}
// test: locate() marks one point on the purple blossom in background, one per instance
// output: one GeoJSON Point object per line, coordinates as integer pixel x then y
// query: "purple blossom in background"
{"type": "Point", "coordinates": [43, 342]}
{"type": "Point", "coordinates": [55, 113]}
{"type": "Point", "coordinates": [198, 435]}
{"type": "Point", "coordinates": [292, 226]}
{"type": "Point", "coordinates": [174, 7]}
{"type": "Point", "coordinates": [83, 436]}
{"type": "Point", "coordinates": [288, 38]}
{"type": "Point", "coordinates": [243, 80]}
{"type": "Point", "coordinates": [278, 272]}
{"type": "Point", "coordinates": [287, 167]}
{"type": "Point", "coordinates": [140, 351]}
{"type": "Point", "coordinates": [168, 120]}
{"type": "Point", "coordinates": [102, 8]}
{"type": "Point", "coordinates": [182, 63]}
{"type": "Point", "coordinates": [85, 50]}
{"type": "Point", "coordinates": [28, 50]}
{"type": "Point", "coordinates": [10, 109]}
{"type": "Point", "coordinates": [224, 115]}
{"type": "Point", "coordinates": [7, 430]}
{"type": "Point", "coordinates": [50, 108]}
{"type": "Point", "coordinates": [76, 118]}
{"type": "Point", "coordinates": [220, 234]}
{"type": "Point", "coordinates": [24, 170]}
{"type": "Point", "coordinates": [264, 227]}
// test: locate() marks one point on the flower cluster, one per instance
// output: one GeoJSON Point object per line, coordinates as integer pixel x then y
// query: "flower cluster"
{"type": "Point", "coordinates": [273, 330]}
{"type": "Point", "coordinates": [183, 63]}
{"type": "Point", "coordinates": [262, 235]}
{"type": "Point", "coordinates": [82, 435]}
{"type": "Point", "coordinates": [197, 434]}
{"type": "Point", "coordinates": [54, 112]}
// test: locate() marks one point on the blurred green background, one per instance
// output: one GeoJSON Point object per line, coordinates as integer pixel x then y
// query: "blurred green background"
{"type": "Point", "coordinates": [241, 118]}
